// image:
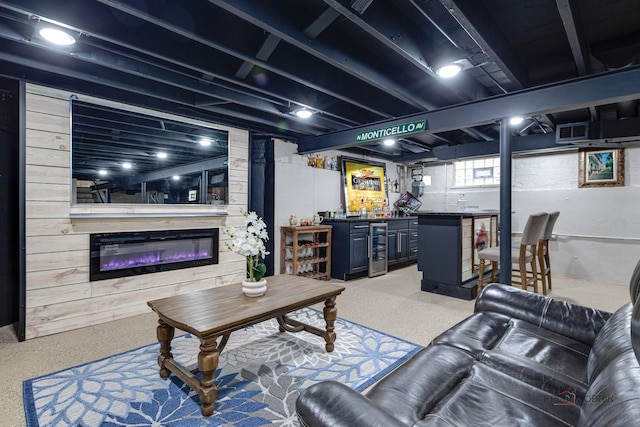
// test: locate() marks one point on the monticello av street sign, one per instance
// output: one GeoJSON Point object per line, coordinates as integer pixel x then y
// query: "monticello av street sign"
{"type": "Point", "coordinates": [392, 131]}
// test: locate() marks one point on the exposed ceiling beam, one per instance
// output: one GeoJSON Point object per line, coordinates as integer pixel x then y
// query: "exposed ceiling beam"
{"type": "Point", "coordinates": [211, 87]}
{"type": "Point", "coordinates": [204, 41]}
{"type": "Point", "coordinates": [263, 54]}
{"type": "Point", "coordinates": [476, 20]}
{"type": "Point", "coordinates": [138, 87]}
{"type": "Point", "coordinates": [265, 17]}
{"type": "Point", "coordinates": [608, 88]}
{"type": "Point", "coordinates": [568, 10]}
{"type": "Point", "coordinates": [321, 23]}
{"type": "Point", "coordinates": [569, 13]}
{"type": "Point", "coordinates": [383, 23]}
{"type": "Point", "coordinates": [520, 144]}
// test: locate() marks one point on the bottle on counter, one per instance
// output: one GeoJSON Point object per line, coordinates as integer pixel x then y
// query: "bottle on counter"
{"type": "Point", "coordinates": [363, 210]}
{"type": "Point", "coordinates": [385, 209]}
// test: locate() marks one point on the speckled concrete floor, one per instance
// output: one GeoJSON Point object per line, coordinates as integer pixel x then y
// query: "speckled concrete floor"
{"type": "Point", "coordinates": [392, 303]}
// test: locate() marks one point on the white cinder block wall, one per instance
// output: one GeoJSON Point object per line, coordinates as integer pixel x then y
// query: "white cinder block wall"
{"type": "Point", "coordinates": [598, 228]}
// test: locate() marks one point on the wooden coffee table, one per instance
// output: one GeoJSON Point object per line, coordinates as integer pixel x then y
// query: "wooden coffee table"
{"type": "Point", "coordinates": [213, 313]}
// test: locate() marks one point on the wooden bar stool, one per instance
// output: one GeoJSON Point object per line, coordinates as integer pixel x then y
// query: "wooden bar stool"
{"type": "Point", "coordinates": [543, 251]}
{"type": "Point", "coordinates": [526, 253]}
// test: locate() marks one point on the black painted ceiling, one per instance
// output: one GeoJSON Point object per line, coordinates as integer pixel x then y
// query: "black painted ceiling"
{"type": "Point", "coordinates": [250, 63]}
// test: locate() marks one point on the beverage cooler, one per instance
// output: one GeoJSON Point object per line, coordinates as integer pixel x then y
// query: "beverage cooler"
{"type": "Point", "coordinates": [377, 249]}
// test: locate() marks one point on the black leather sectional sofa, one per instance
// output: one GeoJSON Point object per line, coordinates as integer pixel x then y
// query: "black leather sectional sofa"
{"type": "Point", "coordinates": [520, 360]}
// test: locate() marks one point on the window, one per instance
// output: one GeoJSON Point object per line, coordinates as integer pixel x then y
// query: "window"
{"type": "Point", "coordinates": [477, 172]}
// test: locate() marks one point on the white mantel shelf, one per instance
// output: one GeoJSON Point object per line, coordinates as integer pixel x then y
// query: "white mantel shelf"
{"type": "Point", "coordinates": [145, 211]}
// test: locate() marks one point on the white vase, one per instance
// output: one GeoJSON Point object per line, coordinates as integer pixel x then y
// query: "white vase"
{"type": "Point", "coordinates": [254, 289]}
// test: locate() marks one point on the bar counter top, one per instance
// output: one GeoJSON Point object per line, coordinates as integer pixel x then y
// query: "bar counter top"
{"type": "Point", "coordinates": [358, 219]}
{"type": "Point", "coordinates": [469, 213]}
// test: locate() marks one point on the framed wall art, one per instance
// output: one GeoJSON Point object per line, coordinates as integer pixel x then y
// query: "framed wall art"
{"type": "Point", "coordinates": [601, 167]}
{"type": "Point", "coordinates": [364, 184]}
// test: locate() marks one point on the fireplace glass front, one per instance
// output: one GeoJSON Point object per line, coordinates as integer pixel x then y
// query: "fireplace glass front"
{"type": "Point", "coordinates": [129, 254]}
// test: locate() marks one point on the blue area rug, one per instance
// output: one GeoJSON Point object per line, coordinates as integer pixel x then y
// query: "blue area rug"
{"type": "Point", "coordinates": [259, 377]}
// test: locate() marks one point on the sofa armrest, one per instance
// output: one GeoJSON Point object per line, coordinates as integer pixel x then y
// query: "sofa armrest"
{"type": "Point", "coordinates": [571, 320]}
{"type": "Point", "coordinates": [331, 403]}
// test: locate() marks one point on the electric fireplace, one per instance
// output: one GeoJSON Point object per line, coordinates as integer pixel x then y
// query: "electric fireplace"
{"type": "Point", "coordinates": [142, 252]}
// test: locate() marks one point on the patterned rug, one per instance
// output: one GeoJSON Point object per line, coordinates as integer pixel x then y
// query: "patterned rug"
{"type": "Point", "coordinates": [259, 377]}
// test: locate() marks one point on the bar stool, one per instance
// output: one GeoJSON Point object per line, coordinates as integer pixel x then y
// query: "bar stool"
{"type": "Point", "coordinates": [543, 251]}
{"type": "Point", "coordinates": [526, 253]}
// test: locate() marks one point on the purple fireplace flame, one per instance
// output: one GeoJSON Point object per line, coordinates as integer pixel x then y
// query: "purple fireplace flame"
{"type": "Point", "coordinates": [126, 254]}
{"type": "Point", "coordinates": [152, 259]}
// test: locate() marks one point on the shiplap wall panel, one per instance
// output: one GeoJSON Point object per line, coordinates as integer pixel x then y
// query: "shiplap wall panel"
{"type": "Point", "coordinates": [46, 122]}
{"type": "Point", "coordinates": [39, 210]}
{"type": "Point", "coordinates": [48, 175]}
{"type": "Point", "coordinates": [47, 157]}
{"type": "Point", "coordinates": [89, 307]}
{"type": "Point", "coordinates": [58, 243]}
{"type": "Point", "coordinates": [44, 296]}
{"type": "Point", "coordinates": [50, 192]}
{"type": "Point", "coordinates": [48, 140]}
{"type": "Point", "coordinates": [49, 103]}
{"type": "Point", "coordinates": [57, 277]}
{"type": "Point", "coordinates": [53, 260]}
{"type": "Point", "coordinates": [47, 226]}
{"type": "Point", "coordinates": [60, 295]}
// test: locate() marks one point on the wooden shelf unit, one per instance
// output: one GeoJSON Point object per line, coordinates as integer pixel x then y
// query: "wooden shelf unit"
{"type": "Point", "coordinates": [308, 260]}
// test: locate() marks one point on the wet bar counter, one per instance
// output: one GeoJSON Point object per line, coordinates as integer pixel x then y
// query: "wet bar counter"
{"type": "Point", "coordinates": [350, 242]}
{"type": "Point", "coordinates": [448, 243]}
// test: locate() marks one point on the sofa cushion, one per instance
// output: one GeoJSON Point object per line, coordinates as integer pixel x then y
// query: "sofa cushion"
{"type": "Point", "coordinates": [535, 374]}
{"type": "Point", "coordinates": [486, 397]}
{"type": "Point", "coordinates": [577, 322]}
{"type": "Point", "coordinates": [613, 340]}
{"type": "Point", "coordinates": [411, 391]}
{"type": "Point", "coordinates": [613, 399]}
{"type": "Point", "coordinates": [519, 343]}
{"type": "Point", "coordinates": [444, 385]}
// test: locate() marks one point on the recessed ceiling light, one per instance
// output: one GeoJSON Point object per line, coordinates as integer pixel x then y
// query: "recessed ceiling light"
{"type": "Point", "coordinates": [449, 70]}
{"type": "Point", "coordinates": [303, 113]}
{"type": "Point", "coordinates": [57, 36]}
{"type": "Point", "coordinates": [389, 141]}
{"type": "Point", "coordinates": [126, 165]}
{"type": "Point", "coordinates": [161, 155]}
{"type": "Point", "coordinates": [176, 177]}
{"type": "Point", "coordinates": [205, 142]}
{"type": "Point", "coordinates": [515, 120]}
{"type": "Point", "coordinates": [102, 172]}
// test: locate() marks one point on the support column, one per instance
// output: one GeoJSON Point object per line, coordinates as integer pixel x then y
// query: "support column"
{"type": "Point", "coordinates": [505, 202]}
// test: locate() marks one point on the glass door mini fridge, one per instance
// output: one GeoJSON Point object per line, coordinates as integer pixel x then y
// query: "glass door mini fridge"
{"type": "Point", "coordinates": [377, 249]}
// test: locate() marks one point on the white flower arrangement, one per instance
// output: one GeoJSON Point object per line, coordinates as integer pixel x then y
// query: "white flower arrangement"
{"type": "Point", "coordinates": [250, 243]}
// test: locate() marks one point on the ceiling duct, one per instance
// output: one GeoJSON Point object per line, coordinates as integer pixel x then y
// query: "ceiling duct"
{"type": "Point", "coordinates": [617, 52]}
{"type": "Point", "coordinates": [601, 132]}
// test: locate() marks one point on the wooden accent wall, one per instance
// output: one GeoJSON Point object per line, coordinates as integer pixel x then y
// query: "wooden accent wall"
{"type": "Point", "coordinates": [60, 296]}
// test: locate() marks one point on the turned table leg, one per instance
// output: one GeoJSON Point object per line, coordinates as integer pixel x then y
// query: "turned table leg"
{"type": "Point", "coordinates": [165, 334]}
{"type": "Point", "coordinates": [330, 313]}
{"type": "Point", "coordinates": [207, 364]}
